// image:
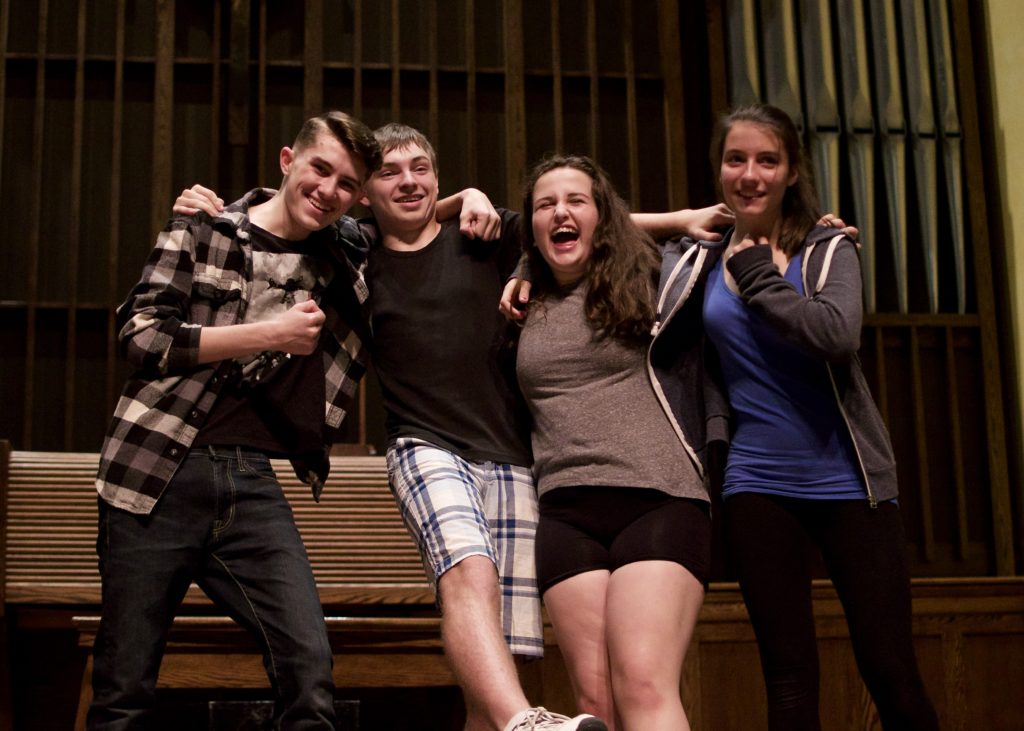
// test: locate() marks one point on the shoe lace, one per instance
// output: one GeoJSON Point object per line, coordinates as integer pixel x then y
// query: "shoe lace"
{"type": "Point", "coordinates": [540, 718]}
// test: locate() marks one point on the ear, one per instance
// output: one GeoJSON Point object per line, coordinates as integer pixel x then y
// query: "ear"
{"type": "Point", "coordinates": [363, 199]}
{"type": "Point", "coordinates": [793, 177]}
{"type": "Point", "coordinates": [287, 157]}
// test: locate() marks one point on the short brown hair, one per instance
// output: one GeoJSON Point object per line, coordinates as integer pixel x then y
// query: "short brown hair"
{"type": "Point", "coordinates": [353, 135]}
{"type": "Point", "coordinates": [395, 136]}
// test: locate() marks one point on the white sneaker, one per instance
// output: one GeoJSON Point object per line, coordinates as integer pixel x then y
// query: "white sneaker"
{"type": "Point", "coordinates": [540, 719]}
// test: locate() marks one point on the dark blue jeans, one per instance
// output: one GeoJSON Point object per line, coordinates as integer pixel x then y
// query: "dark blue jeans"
{"type": "Point", "coordinates": [223, 522]}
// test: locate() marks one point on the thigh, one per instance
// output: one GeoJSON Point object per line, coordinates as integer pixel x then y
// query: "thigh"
{"type": "Point", "coordinates": [441, 503]}
{"type": "Point", "coordinates": [771, 553]}
{"type": "Point", "coordinates": [257, 567]}
{"type": "Point", "coordinates": [863, 548]}
{"type": "Point", "coordinates": [652, 610]}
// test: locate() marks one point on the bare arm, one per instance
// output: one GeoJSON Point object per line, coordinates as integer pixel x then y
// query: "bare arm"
{"type": "Point", "coordinates": [295, 331]}
{"type": "Point", "coordinates": [477, 217]}
{"type": "Point", "coordinates": [697, 223]}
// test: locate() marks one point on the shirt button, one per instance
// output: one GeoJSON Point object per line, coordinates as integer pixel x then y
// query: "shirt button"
{"type": "Point", "coordinates": [194, 414]}
{"type": "Point", "coordinates": [174, 451]}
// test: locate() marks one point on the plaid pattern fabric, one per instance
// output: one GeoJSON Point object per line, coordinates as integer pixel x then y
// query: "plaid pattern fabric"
{"type": "Point", "coordinates": [199, 275]}
{"type": "Point", "coordinates": [455, 508]}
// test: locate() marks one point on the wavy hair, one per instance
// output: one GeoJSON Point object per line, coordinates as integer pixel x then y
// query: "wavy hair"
{"type": "Point", "coordinates": [622, 274]}
{"type": "Point", "coordinates": [353, 135]}
{"type": "Point", "coordinates": [800, 206]}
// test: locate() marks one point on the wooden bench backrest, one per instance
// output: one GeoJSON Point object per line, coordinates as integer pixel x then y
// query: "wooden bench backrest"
{"type": "Point", "coordinates": [357, 543]}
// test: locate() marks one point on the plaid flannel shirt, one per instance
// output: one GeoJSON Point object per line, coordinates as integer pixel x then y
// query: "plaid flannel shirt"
{"type": "Point", "coordinates": [198, 275]}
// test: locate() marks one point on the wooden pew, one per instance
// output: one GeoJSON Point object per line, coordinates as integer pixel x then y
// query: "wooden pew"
{"type": "Point", "coordinates": [383, 625]}
{"type": "Point", "coordinates": [384, 628]}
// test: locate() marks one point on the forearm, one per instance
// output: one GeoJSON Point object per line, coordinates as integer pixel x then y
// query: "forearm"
{"type": "Point", "coordinates": [235, 341]}
{"type": "Point", "coordinates": [450, 207]}
{"type": "Point", "coordinates": [663, 225]}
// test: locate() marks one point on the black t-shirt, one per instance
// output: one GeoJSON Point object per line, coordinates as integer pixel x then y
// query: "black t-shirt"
{"type": "Point", "coordinates": [441, 348]}
{"type": "Point", "coordinates": [275, 401]}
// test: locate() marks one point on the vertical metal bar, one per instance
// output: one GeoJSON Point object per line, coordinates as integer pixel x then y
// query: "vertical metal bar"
{"type": "Point", "coordinates": [470, 39]}
{"type": "Point", "coordinates": [891, 126]}
{"type": "Point", "coordinates": [632, 134]}
{"type": "Point", "coordinates": [35, 210]}
{"type": "Point", "coordinates": [114, 254]}
{"type": "Point", "coordinates": [922, 131]}
{"type": "Point", "coordinates": [163, 114]}
{"type": "Point", "coordinates": [74, 230]}
{"type": "Point", "coordinates": [955, 432]}
{"type": "Point", "coordinates": [515, 99]}
{"type": "Point", "coordinates": [743, 55]}
{"type": "Point", "coordinates": [556, 76]}
{"type": "Point", "coordinates": [948, 118]}
{"type": "Point", "coordinates": [995, 426]}
{"type": "Point", "coordinates": [781, 65]}
{"type": "Point", "coordinates": [595, 109]}
{"type": "Point", "coordinates": [921, 442]}
{"type": "Point", "coordinates": [819, 79]}
{"type": "Point", "coordinates": [859, 129]}
{"type": "Point", "coordinates": [675, 117]}
{"type": "Point", "coordinates": [313, 59]}
{"type": "Point", "coordinates": [396, 61]}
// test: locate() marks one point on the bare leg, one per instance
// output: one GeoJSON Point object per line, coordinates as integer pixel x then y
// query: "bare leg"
{"type": "Point", "coordinates": [576, 608]}
{"type": "Point", "coordinates": [652, 610]}
{"type": "Point", "coordinates": [475, 645]}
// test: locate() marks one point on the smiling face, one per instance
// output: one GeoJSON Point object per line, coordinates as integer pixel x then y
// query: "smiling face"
{"type": "Point", "coordinates": [322, 181]}
{"type": "Point", "coordinates": [403, 193]}
{"type": "Point", "coordinates": [755, 174]}
{"type": "Point", "coordinates": [565, 217]}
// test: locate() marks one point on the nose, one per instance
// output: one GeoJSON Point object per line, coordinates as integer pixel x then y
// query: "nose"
{"type": "Point", "coordinates": [748, 170]}
{"type": "Point", "coordinates": [561, 211]}
{"type": "Point", "coordinates": [406, 180]}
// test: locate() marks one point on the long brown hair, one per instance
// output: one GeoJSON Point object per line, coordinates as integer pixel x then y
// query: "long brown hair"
{"type": "Point", "coordinates": [800, 206]}
{"type": "Point", "coordinates": [622, 273]}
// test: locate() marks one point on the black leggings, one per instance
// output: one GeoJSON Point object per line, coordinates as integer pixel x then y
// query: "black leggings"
{"type": "Point", "coordinates": [770, 539]}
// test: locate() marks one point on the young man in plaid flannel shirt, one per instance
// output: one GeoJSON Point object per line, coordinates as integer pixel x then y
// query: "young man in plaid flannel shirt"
{"type": "Point", "coordinates": [243, 333]}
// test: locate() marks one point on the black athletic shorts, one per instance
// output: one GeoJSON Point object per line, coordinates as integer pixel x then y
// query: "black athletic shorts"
{"type": "Point", "coordinates": [591, 528]}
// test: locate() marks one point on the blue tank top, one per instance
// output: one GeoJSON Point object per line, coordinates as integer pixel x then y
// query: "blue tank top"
{"type": "Point", "coordinates": [790, 438]}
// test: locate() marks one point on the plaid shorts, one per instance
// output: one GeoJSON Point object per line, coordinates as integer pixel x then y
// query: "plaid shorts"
{"type": "Point", "coordinates": [455, 508]}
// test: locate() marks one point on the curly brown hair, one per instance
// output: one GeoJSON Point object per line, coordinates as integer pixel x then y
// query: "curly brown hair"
{"type": "Point", "coordinates": [622, 275]}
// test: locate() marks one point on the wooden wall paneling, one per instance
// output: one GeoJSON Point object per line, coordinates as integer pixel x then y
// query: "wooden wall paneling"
{"type": "Point", "coordinates": [781, 63]}
{"type": "Point", "coordinates": [266, 161]}
{"type": "Point", "coordinates": [632, 142]}
{"type": "Point", "coordinates": [957, 445]}
{"type": "Point", "coordinates": [675, 106]}
{"type": "Point", "coordinates": [924, 483]}
{"type": "Point", "coordinates": [75, 231]}
{"type": "Point", "coordinates": [35, 207]}
{"type": "Point", "coordinates": [5, 14]}
{"type": "Point", "coordinates": [114, 242]}
{"type": "Point", "coordinates": [238, 74]}
{"type": "Point", "coordinates": [557, 110]}
{"type": "Point", "coordinates": [593, 74]}
{"type": "Point", "coordinates": [954, 681]}
{"type": "Point", "coordinates": [357, 60]}
{"type": "Point", "coordinates": [396, 61]}
{"type": "Point", "coordinates": [470, 154]}
{"type": "Point", "coordinates": [515, 96]}
{"type": "Point", "coordinates": [434, 94]}
{"type": "Point", "coordinates": [216, 83]}
{"type": "Point", "coordinates": [313, 59]}
{"type": "Point", "coordinates": [163, 114]}
{"type": "Point", "coordinates": [1002, 515]}
{"type": "Point", "coordinates": [743, 60]}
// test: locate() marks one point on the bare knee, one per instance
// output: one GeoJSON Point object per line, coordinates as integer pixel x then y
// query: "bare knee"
{"type": "Point", "coordinates": [473, 579]}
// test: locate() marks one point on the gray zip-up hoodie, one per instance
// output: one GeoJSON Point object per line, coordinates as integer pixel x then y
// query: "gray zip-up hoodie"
{"type": "Point", "coordinates": [826, 323]}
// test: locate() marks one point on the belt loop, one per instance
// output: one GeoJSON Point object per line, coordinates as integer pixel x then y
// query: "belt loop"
{"type": "Point", "coordinates": [242, 464]}
{"type": "Point", "coordinates": [210, 451]}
